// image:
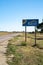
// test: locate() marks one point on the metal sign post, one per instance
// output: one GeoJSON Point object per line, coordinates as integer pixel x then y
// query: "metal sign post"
{"type": "Point", "coordinates": [35, 36]}
{"type": "Point", "coordinates": [25, 34]}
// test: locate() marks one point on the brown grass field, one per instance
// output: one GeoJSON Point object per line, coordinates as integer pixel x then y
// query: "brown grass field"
{"type": "Point", "coordinates": [3, 33]}
{"type": "Point", "coordinates": [20, 53]}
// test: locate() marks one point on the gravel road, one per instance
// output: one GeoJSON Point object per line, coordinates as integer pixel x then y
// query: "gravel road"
{"type": "Point", "coordinates": [3, 45]}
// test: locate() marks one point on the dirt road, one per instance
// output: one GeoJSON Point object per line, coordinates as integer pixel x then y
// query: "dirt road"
{"type": "Point", "coordinates": [3, 45]}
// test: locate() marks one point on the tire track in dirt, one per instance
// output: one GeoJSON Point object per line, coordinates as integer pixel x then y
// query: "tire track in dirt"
{"type": "Point", "coordinates": [3, 47]}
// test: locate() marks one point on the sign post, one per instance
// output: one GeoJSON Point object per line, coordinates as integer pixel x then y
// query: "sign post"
{"type": "Point", "coordinates": [35, 36]}
{"type": "Point", "coordinates": [25, 34]}
{"type": "Point", "coordinates": [30, 22]}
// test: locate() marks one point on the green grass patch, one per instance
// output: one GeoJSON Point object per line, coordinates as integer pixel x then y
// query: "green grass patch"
{"type": "Point", "coordinates": [23, 43]}
{"type": "Point", "coordinates": [17, 57]}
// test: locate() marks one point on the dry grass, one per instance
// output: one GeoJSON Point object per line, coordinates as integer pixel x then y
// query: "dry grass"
{"type": "Point", "coordinates": [25, 55]}
{"type": "Point", "coordinates": [4, 33]}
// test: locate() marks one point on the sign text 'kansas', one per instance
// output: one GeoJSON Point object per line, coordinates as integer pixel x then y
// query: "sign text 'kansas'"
{"type": "Point", "coordinates": [30, 22]}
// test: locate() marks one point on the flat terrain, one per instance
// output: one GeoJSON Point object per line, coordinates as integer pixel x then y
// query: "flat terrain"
{"type": "Point", "coordinates": [3, 44]}
{"type": "Point", "coordinates": [14, 50]}
{"type": "Point", "coordinates": [21, 53]}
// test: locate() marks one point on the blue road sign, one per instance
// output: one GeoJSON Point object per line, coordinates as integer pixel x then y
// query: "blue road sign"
{"type": "Point", "coordinates": [30, 22]}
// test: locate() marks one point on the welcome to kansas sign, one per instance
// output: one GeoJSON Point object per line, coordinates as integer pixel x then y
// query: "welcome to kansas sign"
{"type": "Point", "coordinates": [30, 22]}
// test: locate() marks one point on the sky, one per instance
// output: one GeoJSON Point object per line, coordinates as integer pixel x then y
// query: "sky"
{"type": "Point", "coordinates": [13, 11]}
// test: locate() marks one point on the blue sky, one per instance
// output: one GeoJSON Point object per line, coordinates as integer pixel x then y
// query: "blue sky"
{"type": "Point", "coordinates": [13, 11]}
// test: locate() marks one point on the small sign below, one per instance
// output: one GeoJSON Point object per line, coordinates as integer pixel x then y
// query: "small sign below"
{"type": "Point", "coordinates": [30, 22]}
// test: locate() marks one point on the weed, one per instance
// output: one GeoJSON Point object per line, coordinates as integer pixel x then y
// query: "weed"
{"type": "Point", "coordinates": [23, 43]}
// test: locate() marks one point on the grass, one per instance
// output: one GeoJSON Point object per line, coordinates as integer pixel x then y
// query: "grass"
{"type": "Point", "coordinates": [3, 33]}
{"type": "Point", "coordinates": [12, 50]}
{"type": "Point", "coordinates": [20, 53]}
{"type": "Point", "coordinates": [23, 43]}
